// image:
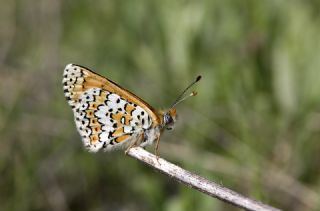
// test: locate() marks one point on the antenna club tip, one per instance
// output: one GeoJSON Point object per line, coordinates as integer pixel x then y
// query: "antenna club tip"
{"type": "Point", "coordinates": [194, 93]}
{"type": "Point", "coordinates": [198, 78]}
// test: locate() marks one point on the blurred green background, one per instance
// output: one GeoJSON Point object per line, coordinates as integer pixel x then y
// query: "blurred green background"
{"type": "Point", "coordinates": [254, 126]}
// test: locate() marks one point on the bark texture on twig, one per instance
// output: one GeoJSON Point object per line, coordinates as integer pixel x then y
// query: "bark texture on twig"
{"type": "Point", "coordinates": [197, 182]}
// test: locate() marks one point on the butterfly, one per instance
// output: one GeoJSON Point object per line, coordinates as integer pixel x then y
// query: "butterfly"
{"type": "Point", "coordinates": [110, 117]}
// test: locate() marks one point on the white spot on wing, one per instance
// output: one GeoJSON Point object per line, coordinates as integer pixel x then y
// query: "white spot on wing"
{"type": "Point", "coordinates": [139, 118]}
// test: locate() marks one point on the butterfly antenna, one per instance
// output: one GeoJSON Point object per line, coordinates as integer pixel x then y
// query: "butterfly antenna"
{"type": "Point", "coordinates": [182, 96]}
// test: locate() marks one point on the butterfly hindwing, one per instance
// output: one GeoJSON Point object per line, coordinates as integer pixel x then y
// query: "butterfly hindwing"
{"type": "Point", "coordinates": [106, 115]}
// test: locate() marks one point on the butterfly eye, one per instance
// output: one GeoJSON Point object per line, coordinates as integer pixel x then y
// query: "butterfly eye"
{"type": "Point", "coordinates": [168, 121]}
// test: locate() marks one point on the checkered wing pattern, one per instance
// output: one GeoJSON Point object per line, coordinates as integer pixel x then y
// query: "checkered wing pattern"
{"type": "Point", "coordinates": [107, 116]}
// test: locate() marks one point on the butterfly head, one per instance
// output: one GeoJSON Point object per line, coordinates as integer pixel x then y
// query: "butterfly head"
{"type": "Point", "coordinates": [169, 118]}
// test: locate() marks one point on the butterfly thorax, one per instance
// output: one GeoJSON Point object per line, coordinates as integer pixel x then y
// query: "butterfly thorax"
{"type": "Point", "coordinates": [166, 120]}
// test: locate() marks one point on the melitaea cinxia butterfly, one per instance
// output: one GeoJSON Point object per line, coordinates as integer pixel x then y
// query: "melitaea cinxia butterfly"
{"type": "Point", "coordinates": [108, 116]}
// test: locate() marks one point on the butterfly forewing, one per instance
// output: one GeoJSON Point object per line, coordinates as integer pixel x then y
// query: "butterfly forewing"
{"type": "Point", "coordinates": [106, 115]}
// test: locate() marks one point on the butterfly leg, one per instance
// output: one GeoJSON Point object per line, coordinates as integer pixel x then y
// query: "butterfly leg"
{"type": "Point", "coordinates": [156, 148]}
{"type": "Point", "coordinates": [135, 143]}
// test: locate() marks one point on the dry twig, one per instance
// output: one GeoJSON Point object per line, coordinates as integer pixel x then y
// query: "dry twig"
{"type": "Point", "coordinates": [197, 182]}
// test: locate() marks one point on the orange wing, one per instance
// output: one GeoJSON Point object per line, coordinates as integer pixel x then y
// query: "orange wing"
{"type": "Point", "coordinates": [106, 115]}
{"type": "Point", "coordinates": [90, 79]}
